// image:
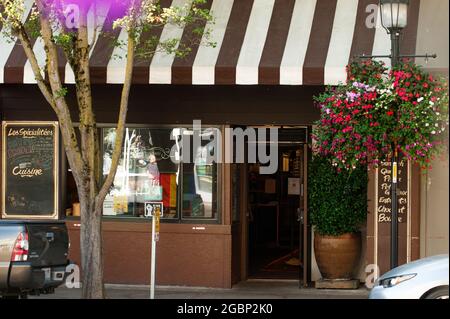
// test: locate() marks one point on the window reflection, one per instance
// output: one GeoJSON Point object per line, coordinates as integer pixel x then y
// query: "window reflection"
{"type": "Point", "coordinates": [145, 172]}
{"type": "Point", "coordinates": [200, 183]}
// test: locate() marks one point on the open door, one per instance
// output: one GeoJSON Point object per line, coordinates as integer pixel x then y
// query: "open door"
{"type": "Point", "coordinates": [269, 215]}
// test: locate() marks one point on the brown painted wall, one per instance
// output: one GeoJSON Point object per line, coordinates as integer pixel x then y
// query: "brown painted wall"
{"type": "Point", "coordinates": [378, 234]}
{"type": "Point", "coordinates": [184, 256]}
{"type": "Point", "coordinates": [173, 104]}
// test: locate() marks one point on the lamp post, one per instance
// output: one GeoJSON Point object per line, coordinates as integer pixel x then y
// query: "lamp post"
{"type": "Point", "coordinates": [394, 17]}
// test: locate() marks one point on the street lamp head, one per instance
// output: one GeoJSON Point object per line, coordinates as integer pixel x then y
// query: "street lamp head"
{"type": "Point", "coordinates": [394, 14]}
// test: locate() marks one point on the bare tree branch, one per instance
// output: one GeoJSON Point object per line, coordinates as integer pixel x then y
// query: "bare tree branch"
{"type": "Point", "coordinates": [43, 86]}
{"type": "Point", "coordinates": [62, 109]}
{"type": "Point", "coordinates": [120, 131]}
{"type": "Point", "coordinates": [84, 97]}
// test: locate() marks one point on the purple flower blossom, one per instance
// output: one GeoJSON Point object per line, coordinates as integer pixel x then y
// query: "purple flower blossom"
{"type": "Point", "coordinates": [352, 96]}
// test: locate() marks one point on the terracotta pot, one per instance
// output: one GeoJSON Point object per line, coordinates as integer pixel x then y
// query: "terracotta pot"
{"type": "Point", "coordinates": [337, 256]}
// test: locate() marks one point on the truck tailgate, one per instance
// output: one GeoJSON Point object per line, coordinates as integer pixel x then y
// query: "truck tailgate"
{"type": "Point", "coordinates": [48, 244]}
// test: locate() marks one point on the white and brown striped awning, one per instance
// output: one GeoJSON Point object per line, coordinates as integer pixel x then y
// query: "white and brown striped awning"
{"type": "Point", "coordinates": [273, 42]}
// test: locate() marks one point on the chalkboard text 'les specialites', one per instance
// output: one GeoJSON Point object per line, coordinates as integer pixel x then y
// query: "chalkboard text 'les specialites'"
{"type": "Point", "coordinates": [29, 133]}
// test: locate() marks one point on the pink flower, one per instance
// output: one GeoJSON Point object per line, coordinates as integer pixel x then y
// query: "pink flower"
{"type": "Point", "coordinates": [347, 129]}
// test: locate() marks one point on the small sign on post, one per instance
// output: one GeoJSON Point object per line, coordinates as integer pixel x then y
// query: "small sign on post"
{"type": "Point", "coordinates": [155, 211]}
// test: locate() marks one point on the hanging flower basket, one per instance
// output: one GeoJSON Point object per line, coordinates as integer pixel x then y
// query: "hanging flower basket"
{"type": "Point", "coordinates": [363, 121]}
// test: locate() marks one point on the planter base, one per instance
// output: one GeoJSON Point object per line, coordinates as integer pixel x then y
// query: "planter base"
{"type": "Point", "coordinates": [337, 284]}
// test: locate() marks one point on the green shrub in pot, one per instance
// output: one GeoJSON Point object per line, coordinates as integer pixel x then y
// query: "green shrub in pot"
{"type": "Point", "coordinates": [337, 198]}
{"type": "Point", "coordinates": [337, 201]}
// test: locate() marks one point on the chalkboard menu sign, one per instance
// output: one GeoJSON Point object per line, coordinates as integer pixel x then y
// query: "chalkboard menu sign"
{"type": "Point", "coordinates": [384, 199]}
{"type": "Point", "coordinates": [30, 170]}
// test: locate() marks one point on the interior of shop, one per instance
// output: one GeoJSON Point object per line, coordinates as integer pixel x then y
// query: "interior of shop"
{"type": "Point", "coordinates": [274, 206]}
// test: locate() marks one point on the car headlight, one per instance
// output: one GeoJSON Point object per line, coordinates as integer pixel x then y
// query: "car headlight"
{"type": "Point", "coordinates": [394, 281]}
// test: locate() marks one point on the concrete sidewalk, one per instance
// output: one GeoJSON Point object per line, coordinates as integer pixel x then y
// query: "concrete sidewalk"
{"type": "Point", "coordinates": [245, 290]}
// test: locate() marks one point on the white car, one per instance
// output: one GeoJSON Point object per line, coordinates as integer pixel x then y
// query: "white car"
{"type": "Point", "coordinates": [425, 278]}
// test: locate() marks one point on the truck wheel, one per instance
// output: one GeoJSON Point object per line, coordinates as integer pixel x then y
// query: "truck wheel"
{"type": "Point", "coordinates": [440, 293]}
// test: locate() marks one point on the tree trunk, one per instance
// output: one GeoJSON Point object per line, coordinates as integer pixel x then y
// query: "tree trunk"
{"type": "Point", "coordinates": [91, 248]}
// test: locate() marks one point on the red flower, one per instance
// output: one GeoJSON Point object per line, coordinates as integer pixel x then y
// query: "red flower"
{"type": "Point", "coordinates": [390, 113]}
{"type": "Point", "coordinates": [401, 92]}
{"type": "Point", "coordinates": [425, 85]}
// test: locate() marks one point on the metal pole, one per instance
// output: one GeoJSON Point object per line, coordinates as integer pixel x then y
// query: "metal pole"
{"type": "Point", "coordinates": [394, 213]}
{"type": "Point", "coordinates": [395, 48]}
{"type": "Point", "coordinates": [153, 260]}
{"type": "Point", "coordinates": [394, 209]}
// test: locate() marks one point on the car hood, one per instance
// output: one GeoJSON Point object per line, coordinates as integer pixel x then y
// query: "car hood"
{"type": "Point", "coordinates": [418, 266]}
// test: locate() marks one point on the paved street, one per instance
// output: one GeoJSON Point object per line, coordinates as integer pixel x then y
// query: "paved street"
{"type": "Point", "coordinates": [246, 290]}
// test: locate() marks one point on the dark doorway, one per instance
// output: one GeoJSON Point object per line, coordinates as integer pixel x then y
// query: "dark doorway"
{"type": "Point", "coordinates": [275, 208]}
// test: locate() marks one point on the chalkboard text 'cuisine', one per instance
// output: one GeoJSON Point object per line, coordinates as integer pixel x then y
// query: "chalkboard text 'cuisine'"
{"type": "Point", "coordinates": [30, 170]}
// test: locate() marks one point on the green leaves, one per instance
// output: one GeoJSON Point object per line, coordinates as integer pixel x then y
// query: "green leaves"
{"type": "Point", "coordinates": [337, 199]}
{"type": "Point", "coordinates": [61, 92]}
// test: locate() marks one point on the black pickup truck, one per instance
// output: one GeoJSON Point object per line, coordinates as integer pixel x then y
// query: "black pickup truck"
{"type": "Point", "coordinates": [33, 257]}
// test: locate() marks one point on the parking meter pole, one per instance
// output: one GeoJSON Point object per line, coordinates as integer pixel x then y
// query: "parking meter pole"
{"type": "Point", "coordinates": [153, 260]}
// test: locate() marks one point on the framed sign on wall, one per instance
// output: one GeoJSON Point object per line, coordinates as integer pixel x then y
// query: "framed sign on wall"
{"type": "Point", "coordinates": [30, 170]}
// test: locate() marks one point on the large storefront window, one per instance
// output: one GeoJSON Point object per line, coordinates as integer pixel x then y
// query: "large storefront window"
{"type": "Point", "coordinates": [145, 172]}
{"type": "Point", "coordinates": [148, 171]}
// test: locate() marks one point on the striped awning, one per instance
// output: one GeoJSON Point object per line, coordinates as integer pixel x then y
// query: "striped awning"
{"type": "Point", "coordinates": [273, 42]}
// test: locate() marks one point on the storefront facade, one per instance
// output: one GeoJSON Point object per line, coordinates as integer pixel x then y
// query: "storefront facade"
{"type": "Point", "coordinates": [271, 58]}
